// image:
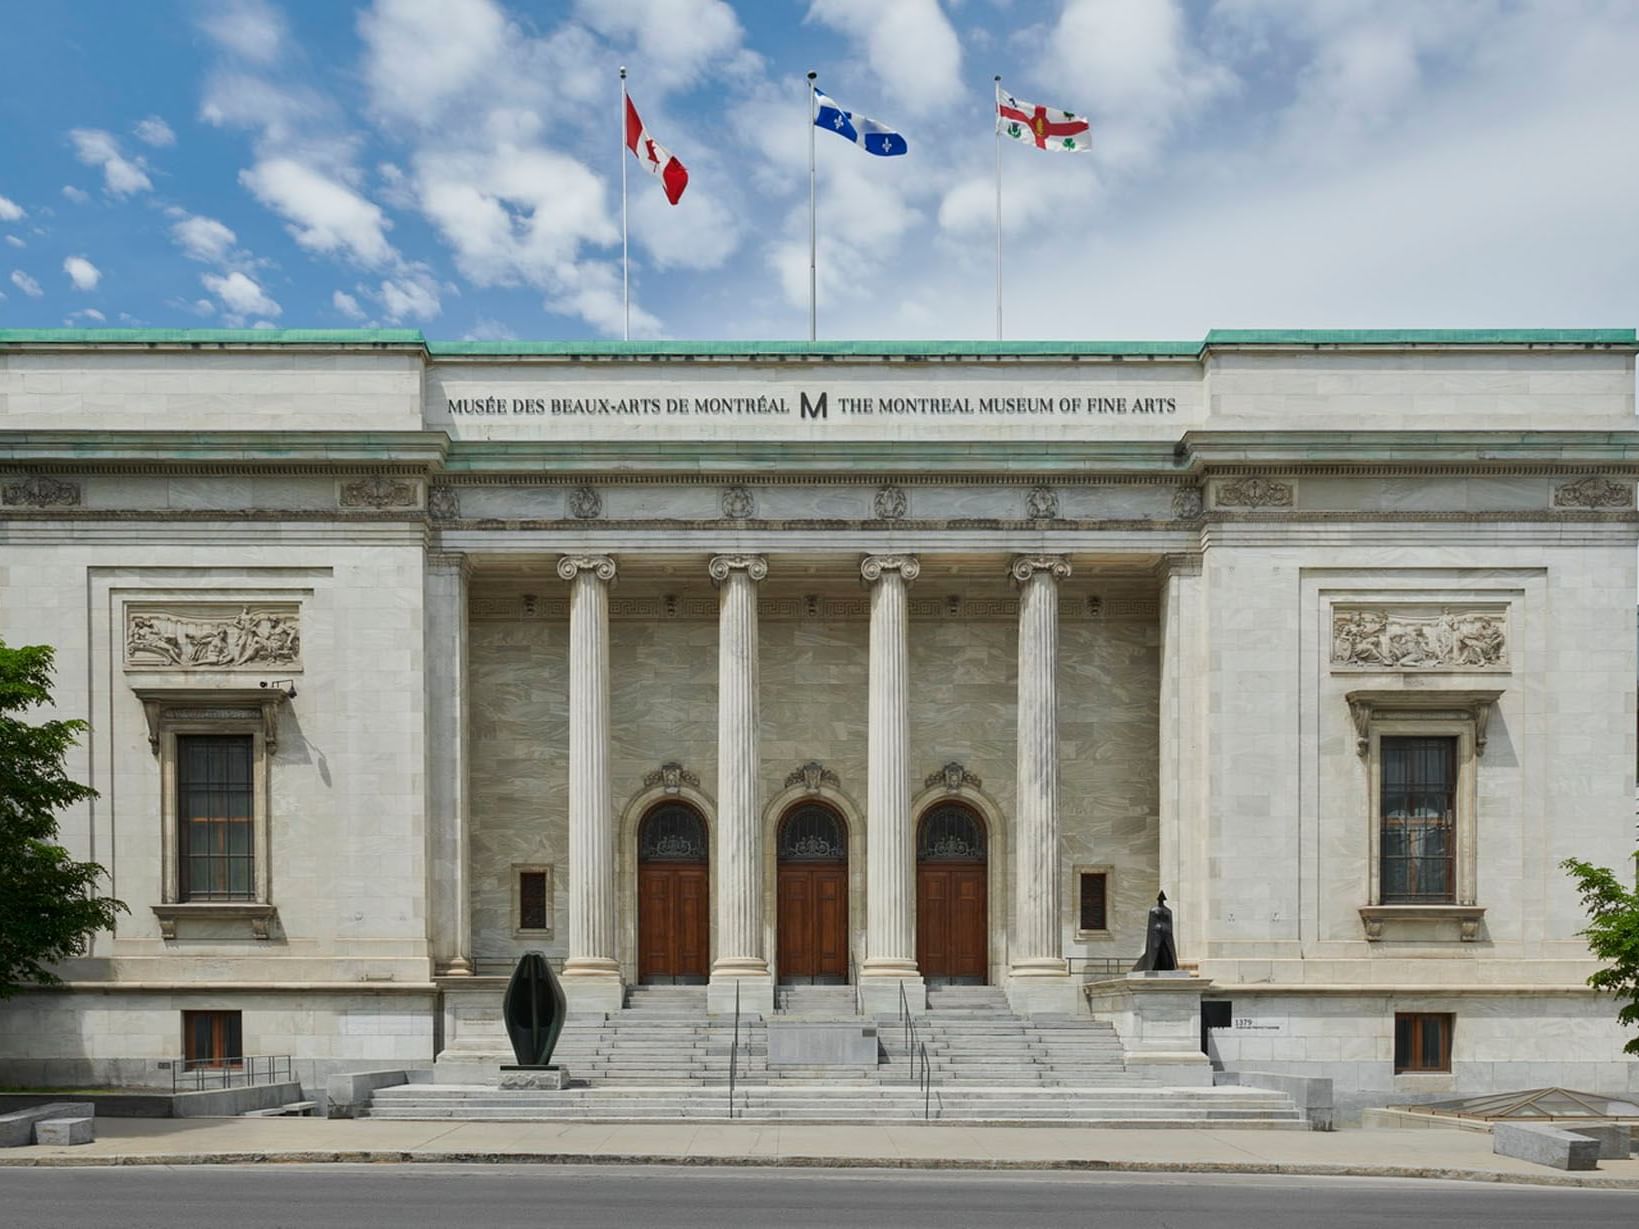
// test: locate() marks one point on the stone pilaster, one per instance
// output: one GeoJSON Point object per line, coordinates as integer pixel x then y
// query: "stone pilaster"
{"type": "Point", "coordinates": [740, 959]}
{"type": "Point", "coordinates": [591, 974]}
{"type": "Point", "coordinates": [1183, 746]}
{"type": "Point", "coordinates": [448, 687]}
{"type": "Point", "coordinates": [890, 885]}
{"type": "Point", "coordinates": [1039, 978]}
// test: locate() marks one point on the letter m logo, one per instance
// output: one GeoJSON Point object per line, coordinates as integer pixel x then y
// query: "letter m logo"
{"type": "Point", "coordinates": [814, 409]}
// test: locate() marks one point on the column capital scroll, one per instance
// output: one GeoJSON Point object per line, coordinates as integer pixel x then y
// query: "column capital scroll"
{"type": "Point", "coordinates": [872, 567]}
{"type": "Point", "coordinates": [601, 566]}
{"type": "Point", "coordinates": [450, 561]}
{"type": "Point", "coordinates": [754, 566]}
{"type": "Point", "coordinates": [1024, 567]}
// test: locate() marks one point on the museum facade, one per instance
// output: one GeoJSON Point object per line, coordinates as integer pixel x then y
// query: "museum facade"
{"type": "Point", "coordinates": [888, 665]}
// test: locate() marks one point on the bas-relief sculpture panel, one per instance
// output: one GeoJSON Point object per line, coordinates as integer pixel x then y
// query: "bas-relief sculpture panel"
{"type": "Point", "coordinates": [1419, 638]}
{"type": "Point", "coordinates": [213, 636]}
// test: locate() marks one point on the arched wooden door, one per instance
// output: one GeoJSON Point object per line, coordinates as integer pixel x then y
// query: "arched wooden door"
{"type": "Point", "coordinates": [812, 893]}
{"type": "Point", "coordinates": [952, 896]}
{"type": "Point", "coordinates": [673, 896]}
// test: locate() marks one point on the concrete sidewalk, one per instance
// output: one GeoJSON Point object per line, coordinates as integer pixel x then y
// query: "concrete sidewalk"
{"type": "Point", "coordinates": [1388, 1154]}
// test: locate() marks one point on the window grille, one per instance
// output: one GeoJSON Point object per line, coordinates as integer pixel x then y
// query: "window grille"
{"type": "Point", "coordinates": [672, 832]}
{"type": "Point", "coordinates": [532, 900]}
{"type": "Point", "coordinates": [216, 803]}
{"type": "Point", "coordinates": [1422, 1041]}
{"type": "Point", "coordinates": [812, 832]}
{"type": "Point", "coordinates": [1419, 820]}
{"type": "Point", "coordinates": [1094, 894]}
{"type": "Point", "coordinates": [951, 832]}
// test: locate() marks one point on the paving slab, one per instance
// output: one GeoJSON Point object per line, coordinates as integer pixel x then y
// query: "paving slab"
{"type": "Point", "coordinates": [1432, 1154]}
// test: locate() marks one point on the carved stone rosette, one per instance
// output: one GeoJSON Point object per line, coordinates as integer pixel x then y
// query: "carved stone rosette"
{"type": "Point", "coordinates": [601, 566]}
{"type": "Point", "coordinates": [1042, 504]}
{"type": "Point", "coordinates": [952, 777]}
{"type": "Point", "coordinates": [872, 566]}
{"type": "Point", "coordinates": [443, 503]}
{"type": "Point", "coordinates": [41, 491]}
{"type": "Point", "coordinates": [377, 491]}
{"type": "Point", "coordinates": [1387, 639]}
{"type": "Point", "coordinates": [1255, 493]}
{"type": "Point", "coordinates": [1188, 502]}
{"type": "Point", "coordinates": [1594, 492]}
{"type": "Point", "coordinates": [891, 503]}
{"type": "Point", "coordinates": [585, 503]}
{"type": "Point", "coordinates": [1025, 566]}
{"type": "Point", "coordinates": [812, 776]}
{"type": "Point", "coordinates": [754, 566]}
{"type": "Point", "coordinates": [671, 777]}
{"type": "Point", "coordinates": [738, 503]}
{"type": "Point", "coordinates": [212, 637]}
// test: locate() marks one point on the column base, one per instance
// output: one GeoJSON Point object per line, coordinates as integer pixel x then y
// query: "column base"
{"type": "Point", "coordinates": [459, 967]}
{"type": "Point", "coordinates": [592, 984]}
{"type": "Point", "coordinates": [749, 979]}
{"type": "Point", "coordinates": [879, 986]}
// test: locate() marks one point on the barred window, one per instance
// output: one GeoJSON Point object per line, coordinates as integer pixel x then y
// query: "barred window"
{"type": "Point", "coordinates": [216, 806]}
{"type": "Point", "coordinates": [1422, 1041]}
{"type": "Point", "coordinates": [1094, 900]}
{"type": "Point", "coordinates": [532, 900]}
{"type": "Point", "coordinates": [1419, 817]}
{"type": "Point", "coordinates": [212, 1039]}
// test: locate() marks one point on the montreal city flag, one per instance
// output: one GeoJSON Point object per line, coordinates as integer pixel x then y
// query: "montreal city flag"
{"type": "Point", "coordinates": [1042, 127]}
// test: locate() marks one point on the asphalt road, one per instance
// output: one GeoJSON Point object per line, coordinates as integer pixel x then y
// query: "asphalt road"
{"type": "Point", "coordinates": [563, 1197]}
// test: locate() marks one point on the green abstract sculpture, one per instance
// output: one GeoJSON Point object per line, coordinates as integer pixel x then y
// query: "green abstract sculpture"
{"type": "Point", "coordinates": [533, 1010]}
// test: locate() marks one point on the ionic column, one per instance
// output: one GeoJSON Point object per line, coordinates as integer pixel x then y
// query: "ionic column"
{"type": "Point", "coordinates": [448, 694]}
{"type": "Point", "coordinates": [740, 960]}
{"type": "Point", "coordinates": [890, 871]}
{"type": "Point", "coordinates": [1037, 949]}
{"type": "Point", "coordinates": [591, 974]}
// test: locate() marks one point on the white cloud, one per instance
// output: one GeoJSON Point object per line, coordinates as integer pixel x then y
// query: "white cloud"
{"type": "Point", "coordinates": [10, 210]}
{"type": "Point", "coordinates": [154, 131]}
{"type": "Point", "coordinates": [121, 176]}
{"type": "Point", "coordinates": [909, 45]}
{"type": "Point", "coordinates": [489, 330]}
{"type": "Point", "coordinates": [241, 296]}
{"type": "Point", "coordinates": [324, 215]}
{"type": "Point", "coordinates": [347, 305]}
{"type": "Point", "coordinates": [78, 195]}
{"type": "Point", "coordinates": [413, 296]}
{"type": "Point", "coordinates": [419, 54]}
{"type": "Point", "coordinates": [85, 313]}
{"type": "Point", "coordinates": [675, 42]}
{"type": "Point", "coordinates": [16, 242]}
{"type": "Point", "coordinates": [26, 284]}
{"type": "Point", "coordinates": [202, 239]}
{"type": "Point", "coordinates": [82, 273]}
{"type": "Point", "coordinates": [250, 29]}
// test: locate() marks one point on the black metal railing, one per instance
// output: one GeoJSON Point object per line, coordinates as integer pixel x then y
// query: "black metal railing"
{"type": "Point", "coordinates": [853, 980]}
{"type": "Point", "coordinates": [916, 1054]}
{"type": "Point", "coordinates": [202, 1074]}
{"type": "Point", "coordinates": [734, 1050]}
{"type": "Point", "coordinates": [1090, 968]}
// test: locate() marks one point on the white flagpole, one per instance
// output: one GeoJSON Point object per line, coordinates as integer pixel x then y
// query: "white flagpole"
{"type": "Point", "coordinates": [812, 277]}
{"type": "Point", "coordinates": [994, 117]}
{"type": "Point", "coordinates": [625, 263]}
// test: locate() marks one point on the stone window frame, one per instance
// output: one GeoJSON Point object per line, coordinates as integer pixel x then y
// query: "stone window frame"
{"type": "Point", "coordinates": [517, 873]}
{"type": "Point", "coordinates": [1074, 896]}
{"type": "Point", "coordinates": [171, 712]}
{"type": "Point", "coordinates": [1424, 713]}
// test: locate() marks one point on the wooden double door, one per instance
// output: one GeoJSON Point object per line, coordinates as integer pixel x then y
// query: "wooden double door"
{"type": "Point", "coordinates": [674, 922]}
{"type": "Point", "coordinates": [813, 921]}
{"type": "Point", "coordinates": [952, 922]}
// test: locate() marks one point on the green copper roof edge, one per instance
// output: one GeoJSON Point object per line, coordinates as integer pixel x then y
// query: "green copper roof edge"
{"type": "Point", "coordinates": [909, 349]}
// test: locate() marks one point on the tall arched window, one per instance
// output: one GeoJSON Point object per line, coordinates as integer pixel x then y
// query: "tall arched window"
{"type": "Point", "coordinates": [812, 832]}
{"type": "Point", "coordinates": [951, 832]}
{"type": "Point", "coordinates": [672, 832]}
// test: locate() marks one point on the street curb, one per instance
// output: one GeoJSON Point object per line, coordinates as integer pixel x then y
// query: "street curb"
{"type": "Point", "coordinates": [375, 1156]}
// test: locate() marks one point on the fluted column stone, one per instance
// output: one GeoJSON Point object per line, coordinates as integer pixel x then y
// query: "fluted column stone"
{"type": "Point", "coordinates": [591, 974]}
{"type": "Point", "coordinates": [1037, 947]}
{"type": "Point", "coordinates": [448, 802]}
{"type": "Point", "coordinates": [890, 870]}
{"type": "Point", "coordinates": [740, 964]}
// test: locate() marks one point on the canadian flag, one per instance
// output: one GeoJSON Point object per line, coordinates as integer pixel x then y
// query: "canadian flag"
{"type": "Point", "coordinates": [654, 156]}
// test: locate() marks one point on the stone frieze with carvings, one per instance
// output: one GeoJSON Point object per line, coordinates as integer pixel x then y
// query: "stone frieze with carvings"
{"type": "Point", "coordinates": [213, 637]}
{"type": "Point", "coordinates": [1384, 638]}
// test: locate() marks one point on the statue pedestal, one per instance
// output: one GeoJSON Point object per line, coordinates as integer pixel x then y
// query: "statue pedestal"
{"type": "Point", "coordinates": [1158, 1018]}
{"type": "Point", "coordinates": [535, 1079]}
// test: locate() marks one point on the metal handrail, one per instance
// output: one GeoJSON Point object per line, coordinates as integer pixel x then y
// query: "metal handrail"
{"type": "Point", "coordinates": [734, 1049]}
{"type": "Point", "coordinates": [927, 1083]}
{"type": "Point", "coordinates": [200, 1074]}
{"type": "Point", "coordinates": [1090, 967]}
{"type": "Point", "coordinates": [853, 980]}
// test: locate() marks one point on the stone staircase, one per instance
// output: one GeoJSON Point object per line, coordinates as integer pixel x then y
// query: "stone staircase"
{"type": "Point", "coordinates": [663, 1059]}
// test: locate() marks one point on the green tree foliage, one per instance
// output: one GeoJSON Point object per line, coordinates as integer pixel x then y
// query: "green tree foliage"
{"type": "Point", "coordinates": [1613, 936]}
{"type": "Point", "coordinates": [48, 902]}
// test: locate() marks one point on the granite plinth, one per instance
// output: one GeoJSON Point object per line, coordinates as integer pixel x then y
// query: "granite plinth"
{"type": "Point", "coordinates": [66, 1131]}
{"type": "Point", "coordinates": [536, 1079]}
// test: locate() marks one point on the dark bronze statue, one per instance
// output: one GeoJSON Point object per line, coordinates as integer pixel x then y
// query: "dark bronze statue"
{"type": "Point", "coordinates": [533, 1009]}
{"type": "Point", "coordinates": [1159, 954]}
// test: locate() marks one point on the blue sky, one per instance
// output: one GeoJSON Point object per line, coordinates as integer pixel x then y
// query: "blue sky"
{"type": "Point", "coordinates": [451, 165]}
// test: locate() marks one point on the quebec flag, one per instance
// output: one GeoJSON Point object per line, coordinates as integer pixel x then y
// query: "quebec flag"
{"type": "Point", "coordinates": [876, 138]}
